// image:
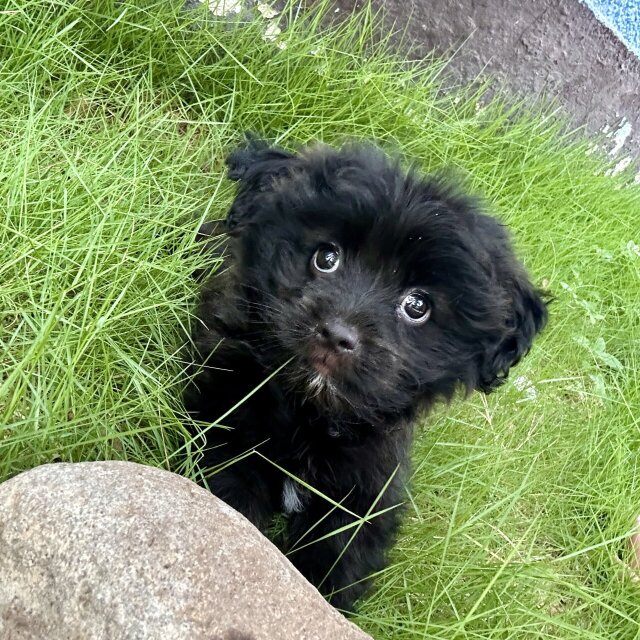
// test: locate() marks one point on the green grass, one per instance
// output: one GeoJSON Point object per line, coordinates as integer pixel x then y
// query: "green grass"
{"type": "Point", "coordinates": [114, 121]}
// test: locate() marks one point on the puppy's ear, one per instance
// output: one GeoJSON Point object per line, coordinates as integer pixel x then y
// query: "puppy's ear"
{"type": "Point", "coordinates": [528, 316]}
{"type": "Point", "coordinates": [253, 157]}
{"type": "Point", "coordinates": [254, 165]}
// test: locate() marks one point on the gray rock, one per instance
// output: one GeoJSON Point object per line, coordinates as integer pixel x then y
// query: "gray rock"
{"type": "Point", "coordinates": [114, 550]}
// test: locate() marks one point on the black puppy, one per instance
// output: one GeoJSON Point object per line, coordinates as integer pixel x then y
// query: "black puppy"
{"type": "Point", "coordinates": [367, 294]}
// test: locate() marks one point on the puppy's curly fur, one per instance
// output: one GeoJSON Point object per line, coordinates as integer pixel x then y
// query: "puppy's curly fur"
{"type": "Point", "coordinates": [381, 292]}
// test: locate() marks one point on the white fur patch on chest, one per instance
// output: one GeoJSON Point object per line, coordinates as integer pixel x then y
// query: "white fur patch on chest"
{"type": "Point", "coordinates": [292, 496]}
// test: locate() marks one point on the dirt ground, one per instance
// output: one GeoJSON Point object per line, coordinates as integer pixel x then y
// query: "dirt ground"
{"type": "Point", "coordinates": [548, 48]}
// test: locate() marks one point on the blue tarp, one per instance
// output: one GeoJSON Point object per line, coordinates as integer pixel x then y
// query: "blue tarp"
{"type": "Point", "coordinates": [622, 17]}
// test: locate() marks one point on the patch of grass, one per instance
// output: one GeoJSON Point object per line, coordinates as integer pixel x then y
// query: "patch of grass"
{"type": "Point", "coordinates": [114, 121]}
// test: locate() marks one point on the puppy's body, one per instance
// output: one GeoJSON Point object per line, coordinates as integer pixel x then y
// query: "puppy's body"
{"type": "Point", "coordinates": [373, 293]}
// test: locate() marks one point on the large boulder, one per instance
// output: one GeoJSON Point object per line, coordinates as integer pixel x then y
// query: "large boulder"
{"type": "Point", "coordinates": [114, 550]}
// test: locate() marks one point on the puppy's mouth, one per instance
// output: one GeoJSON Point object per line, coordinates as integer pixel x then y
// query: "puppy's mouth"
{"type": "Point", "coordinates": [325, 361]}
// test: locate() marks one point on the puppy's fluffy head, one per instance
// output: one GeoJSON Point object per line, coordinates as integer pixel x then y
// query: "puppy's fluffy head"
{"type": "Point", "coordinates": [385, 290]}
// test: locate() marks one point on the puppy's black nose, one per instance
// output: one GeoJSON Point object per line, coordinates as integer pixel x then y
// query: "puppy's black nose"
{"type": "Point", "coordinates": [339, 336]}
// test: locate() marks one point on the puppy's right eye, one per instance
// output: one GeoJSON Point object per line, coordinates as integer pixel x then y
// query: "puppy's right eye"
{"type": "Point", "coordinates": [415, 307]}
{"type": "Point", "coordinates": [326, 259]}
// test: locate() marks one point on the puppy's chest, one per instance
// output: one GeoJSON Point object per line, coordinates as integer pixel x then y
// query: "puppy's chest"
{"type": "Point", "coordinates": [318, 452]}
{"type": "Point", "coordinates": [321, 462]}
{"type": "Point", "coordinates": [294, 496]}
{"type": "Point", "coordinates": [310, 467]}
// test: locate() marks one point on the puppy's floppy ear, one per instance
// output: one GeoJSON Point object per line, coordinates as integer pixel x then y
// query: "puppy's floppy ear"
{"type": "Point", "coordinates": [252, 157]}
{"type": "Point", "coordinates": [528, 317]}
{"type": "Point", "coordinates": [254, 165]}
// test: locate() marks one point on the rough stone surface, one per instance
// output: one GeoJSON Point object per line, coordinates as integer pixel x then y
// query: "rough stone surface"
{"type": "Point", "coordinates": [554, 49]}
{"type": "Point", "coordinates": [114, 550]}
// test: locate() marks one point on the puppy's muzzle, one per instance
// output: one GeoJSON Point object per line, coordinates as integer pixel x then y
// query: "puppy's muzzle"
{"type": "Point", "coordinates": [333, 344]}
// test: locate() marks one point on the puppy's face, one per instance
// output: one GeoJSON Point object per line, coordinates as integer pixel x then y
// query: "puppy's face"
{"type": "Point", "coordinates": [383, 290]}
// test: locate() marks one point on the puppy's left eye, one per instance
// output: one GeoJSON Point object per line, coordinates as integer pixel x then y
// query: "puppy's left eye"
{"type": "Point", "coordinates": [326, 258]}
{"type": "Point", "coordinates": [415, 307]}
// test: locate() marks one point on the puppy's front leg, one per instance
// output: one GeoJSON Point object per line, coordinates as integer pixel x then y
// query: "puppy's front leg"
{"type": "Point", "coordinates": [249, 486]}
{"type": "Point", "coordinates": [340, 565]}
